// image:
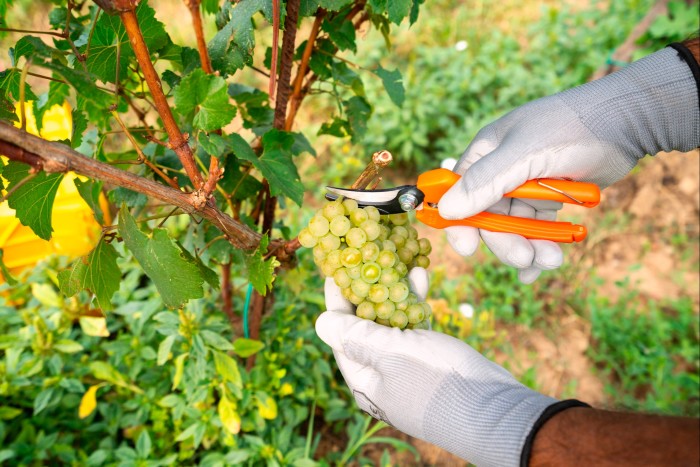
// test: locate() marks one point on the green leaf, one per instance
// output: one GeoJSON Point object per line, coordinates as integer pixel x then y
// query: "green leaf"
{"type": "Point", "coordinates": [393, 83]}
{"type": "Point", "coordinates": [275, 163]}
{"type": "Point", "coordinates": [261, 272]}
{"type": "Point", "coordinates": [106, 372]}
{"type": "Point", "coordinates": [334, 5]}
{"type": "Point", "coordinates": [215, 341]}
{"type": "Point", "coordinates": [8, 413]}
{"type": "Point", "coordinates": [232, 47]}
{"type": "Point", "coordinates": [246, 347]}
{"type": "Point", "coordinates": [164, 349]}
{"type": "Point", "coordinates": [41, 401]}
{"type": "Point", "coordinates": [33, 200]}
{"type": "Point", "coordinates": [67, 346]}
{"type": "Point", "coordinates": [342, 33]}
{"type": "Point", "coordinates": [398, 10]}
{"type": "Point", "coordinates": [230, 418]}
{"type": "Point", "coordinates": [79, 126]}
{"type": "Point", "coordinates": [97, 272]}
{"type": "Point", "coordinates": [227, 368]}
{"type": "Point", "coordinates": [177, 279]}
{"type": "Point", "coordinates": [90, 191]}
{"type": "Point", "coordinates": [110, 43]}
{"type": "Point", "coordinates": [57, 94]}
{"type": "Point", "coordinates": [206, 94]}
{"type": "Point", "coordinates": [7, 108]}
{"type": "Point", "coordinates": [143, 445]}
{"type": "Point", "coordinates": [358, 112]}
{"type": "Point", "coordinates": [415, 10]}
{"type": "Point", "coordinates": [10, 83]}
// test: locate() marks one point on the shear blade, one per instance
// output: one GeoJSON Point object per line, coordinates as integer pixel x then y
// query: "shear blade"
{"type": "Point", "coordinates": [365, 196]}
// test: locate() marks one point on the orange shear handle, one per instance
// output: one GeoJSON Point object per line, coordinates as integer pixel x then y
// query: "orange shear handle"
{"type": "Point", "coordinates": [436, 182]}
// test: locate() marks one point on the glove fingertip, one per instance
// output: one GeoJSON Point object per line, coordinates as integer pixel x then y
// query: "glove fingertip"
{"type": "Point", "coordinates": [334, 298]}
{"type": "Point", "coordinates": [419, 280]}
{"type": "Point", "coordinates": [464, 240]}
{"type": "Point", "coordinates": [529, 275]}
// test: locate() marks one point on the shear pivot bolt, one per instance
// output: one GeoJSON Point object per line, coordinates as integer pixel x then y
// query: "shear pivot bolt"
{"type": "Point", "coordinates": [408, 201]}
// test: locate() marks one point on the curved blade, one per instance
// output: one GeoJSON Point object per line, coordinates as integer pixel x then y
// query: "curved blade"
{"type": "Point", "coordinates": [386, 201]}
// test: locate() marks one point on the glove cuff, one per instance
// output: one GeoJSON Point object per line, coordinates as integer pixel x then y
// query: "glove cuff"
{"type": "Point", "coordinates": [548, 413]}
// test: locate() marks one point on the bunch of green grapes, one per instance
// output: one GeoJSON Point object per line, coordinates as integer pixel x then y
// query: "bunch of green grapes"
{"type": "Point", "coordinates": [369, 256]}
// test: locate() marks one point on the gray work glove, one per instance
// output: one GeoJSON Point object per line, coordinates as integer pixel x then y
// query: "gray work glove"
{"type": "Point", "coordinates": [594, 133]}
{"type": "Point", "coordinates": [430, 385]}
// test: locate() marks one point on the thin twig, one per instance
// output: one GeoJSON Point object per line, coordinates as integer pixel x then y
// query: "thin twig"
{"type": "Point", "coordinates": [194, 7]}
{"type": "Point", "coordinates": [32, 31]}
{"type": "Point", "coordinates": [141, 155]}
{"type": "Point", "coordinates": [380, 159]}
{"type": "Point", "coordinates": [177, 140]}
{"type": "Point", "coordinates": [275, 50]}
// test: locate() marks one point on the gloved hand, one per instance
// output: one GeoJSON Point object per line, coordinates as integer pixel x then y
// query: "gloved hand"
{"type": "Point", "coordinates": [595, 133]}
{"type": "Point", "coordinates": [430, 385]}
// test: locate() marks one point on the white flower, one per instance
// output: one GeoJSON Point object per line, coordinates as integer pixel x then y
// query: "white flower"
{"type": "Point", "coordinates": [461, 45]}
{"type": "Point", "coordinates": [467, 310]}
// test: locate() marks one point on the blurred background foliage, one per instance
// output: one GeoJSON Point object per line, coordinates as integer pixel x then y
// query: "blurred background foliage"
{"type": "Point", "coordinates": [464, 64]}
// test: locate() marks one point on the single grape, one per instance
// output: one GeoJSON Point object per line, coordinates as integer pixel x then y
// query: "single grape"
{"type": "Point", "coordinates": [398, 319]}
{"type": "Point", "coordinates": [318, 226]}
{"type": "Point", "coordinates": [370, 252]}
{"type": "Point", "coordinates": [334, 258]}
{"type": "Point", "coordinates": [384, 309]}
{"type": "Point", "coordinates": [333, 209]}
{"type": "Point", "coordinates": [355, 272]}
{"type": "Point", "coordinates": [412, 232]}
{"type": "Point", "coordinates": [350, 257]}
{"type": "Point", "coordinates": [346, 292]}
{"type": "Point", "coordinates": [370, 272]}
{"type": "Point", "coordinates": [398, 219]}
{"type": "Point", "coordinates": [412, 298]}
{"type": "Point", "coordinates": [424, 247]}
{"type": "Point", "coordinates": [386, 259]}
{"type": "Point", "coordinates": [401, 268]}
{"type": "Point", "coordinates": [390, 276]}
{"type": "Point", "coordinates": [378, 293]}
{"type": "Point", "coordinates": [383, 322]}
{"type": "Point", "coordinates": [412, 245]}
{"type": "Point", "coordinates": [371, 228]}
{"type": "Point", "coordinates": [366, 310]}
{"type": "Point", "coordinates": [358, 216]}
{"type": "Point", "coordinates": [350, 205]}
{"type": "Point", "coordinates": [307, 239]}
{"type": "Point", "coordinates": [319, 254]}
{"type": "Point", "coordinates": [340, 225]}
{"type": "Point", "coordinates": [398, 292]}
{"type": "Point", "coordinates": [422, 261]}
{"type": "Point", "coordinates": [354, 298]}
{"type": "Point", "coordinates": [355, 237]}
{"type": "Point", "coordinates": [360, 287]}
{"type": "Point", "coordinates": [329, 242]}
{"type": "Point", "coordinates": [327, 268]}
{"type": "Point", "coordinates": [405, 255]}
{"type": "Point", "coordinates": [341, 278]}
{"type": "Point", "coordinates": [388, 245]}
{"type": "Point", "coordinates": [384, 232]}
{"type": "Point", "coordinates": [415, 313]}
{"type": "Point", "coordinates": [402, 305]}
{"type": "Point", "coordinates": [373, 213]}
{"type": "Point", "coordinates": [398, 240]}
{"type": "Point", "coordinates": [425, 324]}
{"type": "Point", "coordinates": [400, 230]}
{"type": "Point", "coordinates": [428, 309]}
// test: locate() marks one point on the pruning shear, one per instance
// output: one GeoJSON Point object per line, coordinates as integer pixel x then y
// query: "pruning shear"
{"type": "Point", "coordinates": [430, 186]}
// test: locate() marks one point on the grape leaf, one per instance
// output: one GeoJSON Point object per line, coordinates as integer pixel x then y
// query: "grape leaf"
{"type": "Point", "coordinates": [232, 47]}
{"type": "Point", "coordinates": [90, 191]}
{"type": "Point", "coordinates": [398, 10]}
{"type": "Point", "coordinates": [261, 271]}
{"type": "Point", "coordinates": [97, 272]}
{"type": "Point", "coordinates": [110, 39]}
{"type": "Point", "coordinates": [208, 95]}
{"type": "Point", "coordinates": [393, 83]}
{"type": "Point", "coordinates": [177, 279]}
{"type": "Point", "coordinates": [9, 82]}
{"type": "Point", "coordinates": [378, 6]}
{"type": "Point", "coordinates": [358, 112]}
{"type": "Point", "coordinates": [7, 109]}
{"type": "Point", "coordinates": [79, 126]}
{"type": "Point", "coordinates": [57, 94]}
{"type": "Point", "coordinates": [33, 200]}
{"type": "Point", "coordinates": [341, 32]}
{"type": "Point", "coordinates": [275, 163]}
{"type": "Point", "coordinates": [415, 10]}
{"type": "Point", "coordinates": [334, 5]}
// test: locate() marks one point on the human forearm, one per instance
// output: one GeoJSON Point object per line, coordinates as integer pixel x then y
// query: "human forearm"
{"type": "Point", "coordinates": [582, 436]}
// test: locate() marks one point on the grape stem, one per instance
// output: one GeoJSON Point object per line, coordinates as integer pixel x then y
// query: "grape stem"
{"type": "Point", "coordinates": [380, 159]}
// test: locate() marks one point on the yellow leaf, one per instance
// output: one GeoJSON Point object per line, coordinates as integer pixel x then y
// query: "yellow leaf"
{"type": "Point", "coordinates": [94, 326]}
{"type": "Point", "coordinates": [89, 401]}
{"type": "Point", "coordinates": [286, 389]}
{"type": "Point", "coordinates": [267, 407]}
{"type": "Point", "coordinates": [228, 415]}
{"type": "Point", "coordinates": [179, 369]}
